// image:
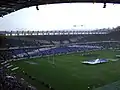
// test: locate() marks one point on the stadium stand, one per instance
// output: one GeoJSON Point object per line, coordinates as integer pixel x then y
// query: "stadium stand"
{"type": "Point", "coordinates": [9, 81]}
{"type": "Point", "coordinates": [31, 45]}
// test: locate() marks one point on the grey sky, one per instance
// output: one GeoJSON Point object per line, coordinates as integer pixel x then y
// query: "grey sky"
{"type": "Point", "coordinates": [63, 16]}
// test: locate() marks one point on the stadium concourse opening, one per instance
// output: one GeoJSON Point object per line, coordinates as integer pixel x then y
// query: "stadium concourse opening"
{"type": "Point", "coordinates": [56, 56]}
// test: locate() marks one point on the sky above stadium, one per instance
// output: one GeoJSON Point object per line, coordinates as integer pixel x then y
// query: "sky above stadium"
{"type": "Point", "coordinates": [63, 16]}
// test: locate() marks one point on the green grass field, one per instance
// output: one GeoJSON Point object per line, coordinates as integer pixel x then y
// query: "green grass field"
{"type": "Point", "coordinates": [69, 73]}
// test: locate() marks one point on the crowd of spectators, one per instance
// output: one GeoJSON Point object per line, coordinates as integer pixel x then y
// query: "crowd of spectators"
{"type": "Point", "coordinates": [10, 81]}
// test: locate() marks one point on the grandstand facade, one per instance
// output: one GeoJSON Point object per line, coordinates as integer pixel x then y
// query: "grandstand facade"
{"type": "Point", "coordinates": [46, 38]}
{"type": "Point", "coordinates": [63, 32]}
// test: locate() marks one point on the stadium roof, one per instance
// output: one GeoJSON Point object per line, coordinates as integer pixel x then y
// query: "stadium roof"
{"type": "Point", "coordinates": [8, 6]}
